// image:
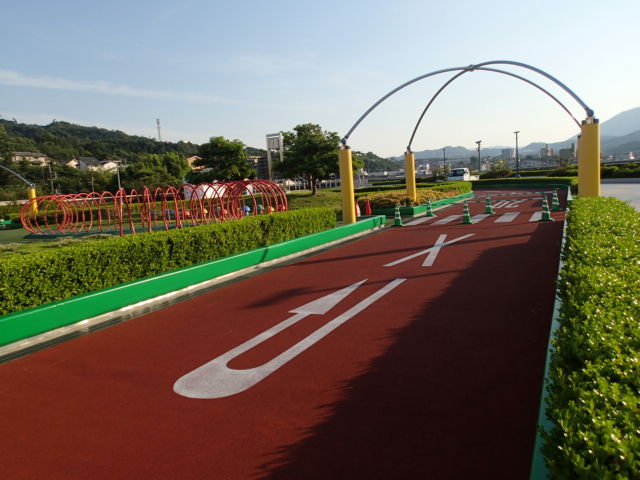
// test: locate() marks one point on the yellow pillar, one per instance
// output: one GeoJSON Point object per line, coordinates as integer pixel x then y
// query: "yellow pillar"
{"type": "Point", "coordinates": [410, 175]}
{"type": "Point", "coordinates": [31, 195]}
{"type": "Point", "coordinates": [589, 159]}
{"type": "Point", "coordinates": [346, 186]}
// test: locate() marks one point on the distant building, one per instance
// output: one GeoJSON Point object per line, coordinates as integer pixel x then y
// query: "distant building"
{"type": "Point", "coordinates": [567, 153]}
{"type": "Point", "coordinates": [73, 163]}
{"type": "Point", "coordinates": [108, 166]}
{"type": "Point", "coordinates": [508, 153]}
{"type": "Point", "coordinates": [546, 152]}
{"type": "Point", "coordinates": [93, 164]}
{"type": "Point", "coordinates": [261, 165]}
{"type": "Point", "coordinates": [33, 158]}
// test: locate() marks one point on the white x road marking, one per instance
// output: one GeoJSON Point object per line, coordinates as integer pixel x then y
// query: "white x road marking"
{"type": "Point", "coordinates": [215, 380]}
{"type": "Point", "coordinates": [433, 251]}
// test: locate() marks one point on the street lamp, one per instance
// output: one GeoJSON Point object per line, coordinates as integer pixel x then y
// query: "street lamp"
{"type": "Point", "coordinates": [117, 162]}
{"type": "Point", "coordinates": [444, 163]}
{"type": "Point", "coordinates": [517, 156]}
{"type": "Point", "coordinates": [479, 142]}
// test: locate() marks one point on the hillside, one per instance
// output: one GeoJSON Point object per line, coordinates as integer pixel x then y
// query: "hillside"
{"type": "Point", "coordinates": [62, 141]}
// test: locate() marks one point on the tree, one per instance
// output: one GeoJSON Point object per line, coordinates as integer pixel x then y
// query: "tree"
{"type": "Point", "coordinates": [309, 152]}
{"type": "Point", "coordinates": [374, 163]}
{"type": "Point", "coordinates": [152, 171]}
{"type": "Point", "coordinates": [5, 145]}
{"type": "Point", "coordinates": [223, 160]}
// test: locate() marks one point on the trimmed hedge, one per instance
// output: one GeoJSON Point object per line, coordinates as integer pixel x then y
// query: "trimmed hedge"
{"type": "Point", "coordinates": [382, 200]}
{"type": "Point", "coordinates": [36, 279]}
{"type": "Point", "coordinates": [594, 394]}
{"type": "Point", "coordinates": [571, 181]}
{"type": "Point", "coordinates": [462, 187]}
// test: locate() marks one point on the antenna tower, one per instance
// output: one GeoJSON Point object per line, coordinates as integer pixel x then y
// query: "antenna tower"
{"type": "Point", "coordinates": [158, 123]}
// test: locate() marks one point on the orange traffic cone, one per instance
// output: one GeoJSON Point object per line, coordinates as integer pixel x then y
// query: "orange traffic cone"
{"type": "Point", "coordinates": [367, 207]}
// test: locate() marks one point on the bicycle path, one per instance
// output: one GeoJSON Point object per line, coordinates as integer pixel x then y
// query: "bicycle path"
{"type": "Point", "coordinates": [416, 352]}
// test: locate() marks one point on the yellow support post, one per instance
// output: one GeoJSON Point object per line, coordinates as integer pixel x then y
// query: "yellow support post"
{"type": "Point", "coordinates": [31, 195]}
{"type": "Point", "coordinates": [346, 186]}
{"type": "Point", "coordinates": [410, 174]}
{"type": "Point", "coordinates": [589, 159]}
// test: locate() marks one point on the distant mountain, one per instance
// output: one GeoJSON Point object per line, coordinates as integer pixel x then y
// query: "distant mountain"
{"type": "Point", "coordinates": [622, 124]}
{"type": "Point", "coordinates": [619, 134]}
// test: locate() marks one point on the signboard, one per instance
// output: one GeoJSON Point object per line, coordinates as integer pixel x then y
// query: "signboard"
{"type": "Point", "coordinates": [274, 142]}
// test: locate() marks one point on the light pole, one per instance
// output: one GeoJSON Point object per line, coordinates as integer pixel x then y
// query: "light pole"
{"type": "Point", "coordinates": [444, 164]}
{"type": "Point", "coordinates": [117, 162]}
{"type": "Point", "coordinates": [517, 156]}
{"type": "Point", "coordinates": [479, 142]}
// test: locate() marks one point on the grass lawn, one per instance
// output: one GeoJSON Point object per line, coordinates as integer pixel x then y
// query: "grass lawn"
{"type": "Point", "coordinates": [323, 198]}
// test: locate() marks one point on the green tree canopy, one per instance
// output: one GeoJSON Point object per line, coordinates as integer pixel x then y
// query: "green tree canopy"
{"type": "Point", "coordinates": [309, 152]}
{"type": "Point", "coordinates": [223, 160]}
{"type": "Point", "coordinates": [153, 171]}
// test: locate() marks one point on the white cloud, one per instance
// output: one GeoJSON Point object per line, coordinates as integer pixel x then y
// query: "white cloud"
{"type": "Point", "coordinates": [12, 78]}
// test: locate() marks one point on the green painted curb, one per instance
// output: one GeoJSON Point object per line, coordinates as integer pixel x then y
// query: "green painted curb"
{"type": "Point", "coordinates": [27, 323]}
{"type": "Point", "coordinates": [416, 209]}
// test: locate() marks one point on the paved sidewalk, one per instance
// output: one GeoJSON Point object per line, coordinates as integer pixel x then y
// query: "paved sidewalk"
{"type": "Point", "coordinates": [626, 189]}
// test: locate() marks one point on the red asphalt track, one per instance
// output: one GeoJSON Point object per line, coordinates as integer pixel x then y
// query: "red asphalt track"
{"type": "Point", "coordinates": [439, 379]}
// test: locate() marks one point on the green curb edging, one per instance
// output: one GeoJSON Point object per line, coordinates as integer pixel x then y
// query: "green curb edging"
{"type": "Point", "coordinates": [539, 469]}
{"type": "Point", "coordinates": [416, 209]}
{"type": "Point", "coordinates": [28, 323]}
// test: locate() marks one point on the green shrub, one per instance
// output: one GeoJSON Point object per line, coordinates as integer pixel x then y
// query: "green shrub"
{"type": "Point", "coordinates": [572, 182]}
{"type": "Point", "coordinates": [627, 170]}
{"type": "Point", "coordinates": [594, 394]}
{"type": "Point", "coordinates": [391, 199]}
{"type": "Point", "coordinates": [461, 187]}
{"type": "Point", "coordinates": [502, 173]}
{"type": "Point", "coordinates": [38, 278]}
{"type": "Point", "coordinates": [565, 171]}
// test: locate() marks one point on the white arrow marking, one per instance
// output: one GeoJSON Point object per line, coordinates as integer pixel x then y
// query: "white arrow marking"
{"type": "Point", "coordinates": [215, 380]}
{"type": "Point", "coordinates": [432, 251]}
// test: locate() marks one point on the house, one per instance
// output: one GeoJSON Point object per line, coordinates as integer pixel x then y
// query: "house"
{"type": "Point", "coordinates": [34, 158]}
{"type": "Point", "coordinates": [88, 163]}
{"type": "Point", "coordinates": [73, 163]}
{"type": "Point", "coordinates": [108, 166]}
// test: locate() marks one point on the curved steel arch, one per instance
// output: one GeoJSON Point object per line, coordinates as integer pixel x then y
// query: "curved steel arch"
{"type": "Point", "coordinates": [588, 110]}
{"type": "Point", "coordinates": [465, 70]}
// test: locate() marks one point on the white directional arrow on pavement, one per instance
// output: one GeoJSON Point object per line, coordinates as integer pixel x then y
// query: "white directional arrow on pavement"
{"type": "Point", "coordinates": [215, 380]}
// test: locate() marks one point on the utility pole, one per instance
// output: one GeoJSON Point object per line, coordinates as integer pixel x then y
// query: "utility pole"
{"type": "Point", "coordinates": [444, 164]}
{"type": "Point", "coordinates": [158, 124]}
{"type": "Point", "coordinates": [517, 156]}
{"type": "Point", "coordinates": [118, 173]}
{"type": "Point", "coordinates": [479, 142]}
{"type": "Point", "coordinates": [50, 177]}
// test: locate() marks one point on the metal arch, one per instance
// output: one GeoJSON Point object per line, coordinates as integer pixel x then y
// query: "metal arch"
{"type": "Point", "coordinates": [406, 84]}
{"type": "Point", "coordinates": [448, 82]}
{"type": "Point", "coordinates": [29, 184]}
{"type": "Point", "coordinates": [588, 110]}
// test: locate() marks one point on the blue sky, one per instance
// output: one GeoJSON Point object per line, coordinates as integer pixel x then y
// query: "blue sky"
{"type": "Point", "coordinates": [245, 69]}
